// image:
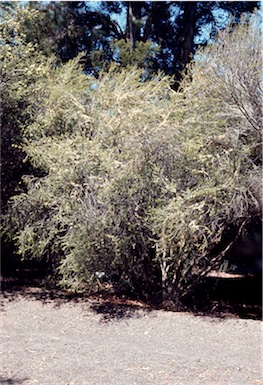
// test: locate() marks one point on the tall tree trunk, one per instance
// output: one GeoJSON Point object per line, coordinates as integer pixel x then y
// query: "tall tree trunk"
{"type": "Point", "coordinates": [133, 16]}
{"type": "Point", "coordinates": [188, 33]}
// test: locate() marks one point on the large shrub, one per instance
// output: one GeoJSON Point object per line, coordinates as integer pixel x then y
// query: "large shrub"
{"type": "Point", "coordinates": [139, 181]}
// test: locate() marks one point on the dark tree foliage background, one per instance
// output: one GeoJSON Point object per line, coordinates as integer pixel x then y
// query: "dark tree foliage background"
{"type": "Point", "coordinates": [177, 27]}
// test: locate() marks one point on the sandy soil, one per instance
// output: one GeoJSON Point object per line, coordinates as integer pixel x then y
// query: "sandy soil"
{"type": "Point", "coordinates": [47, 341]}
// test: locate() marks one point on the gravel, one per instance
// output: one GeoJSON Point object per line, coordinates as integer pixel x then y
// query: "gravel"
{"type": "Point", "coordinates": [88, 343]}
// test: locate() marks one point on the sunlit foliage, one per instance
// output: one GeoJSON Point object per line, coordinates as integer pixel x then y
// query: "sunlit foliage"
{"type": "Point", "coordinates": [139, 181]}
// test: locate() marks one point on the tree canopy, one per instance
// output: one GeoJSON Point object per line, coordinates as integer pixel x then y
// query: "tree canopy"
{"type": "Point", "coordinates": [177, 28]}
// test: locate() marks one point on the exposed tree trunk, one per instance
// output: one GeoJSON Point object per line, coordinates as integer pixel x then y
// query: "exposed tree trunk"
{"type": "Point", "coordinates": [188, 33]}
{"type": "Point", "coordinates": [133, 17]}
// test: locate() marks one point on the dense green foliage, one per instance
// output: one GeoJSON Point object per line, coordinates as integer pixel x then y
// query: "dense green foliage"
{"type": "Point", "coordinates": [135, 179]}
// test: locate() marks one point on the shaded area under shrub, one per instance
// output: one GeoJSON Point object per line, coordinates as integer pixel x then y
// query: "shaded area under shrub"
{"type": "Point", "coordinates": [217, 297]}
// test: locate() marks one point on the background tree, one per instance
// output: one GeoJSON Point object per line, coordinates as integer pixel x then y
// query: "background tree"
{"type": "Point", "coordinates": [69, 28]}
{"type": "Point", "coordinates": [177, 28]}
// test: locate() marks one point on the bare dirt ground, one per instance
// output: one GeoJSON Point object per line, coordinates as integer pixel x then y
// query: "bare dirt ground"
{"type": "Point", "coordinates": [47, 339]}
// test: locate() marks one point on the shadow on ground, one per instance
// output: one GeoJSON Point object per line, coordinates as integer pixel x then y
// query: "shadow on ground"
{"type": "Point", "coordinates": [12, 290]}
{"type": "Point", "coordinates": [220, 298]}
{"type": "Point", "coordinates": [229, 297]}
{"type": "Point", "coordinates": [108, 305]}
{"type": "Point", "coordinates": [12, 380]}
{"type": "Point", "coordinates": [114, 308]}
